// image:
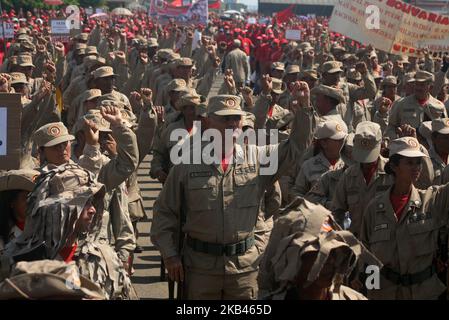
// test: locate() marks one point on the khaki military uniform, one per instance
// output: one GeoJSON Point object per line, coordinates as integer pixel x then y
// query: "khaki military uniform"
{"type": "Point", "coordinates": [407, 247]}
{"type": "Point", "coordinates": [438, 166]}
{"type": "Point", "coordinates": [220, 208]}
{"type": "Point", "coordinates": [324, 189]}
{"type": "Point", "coordinates": [237, 61]}
{"type": "Point", "coordinates": [409, 111]}
{"type": "Point", "coordinates": [310, 173]}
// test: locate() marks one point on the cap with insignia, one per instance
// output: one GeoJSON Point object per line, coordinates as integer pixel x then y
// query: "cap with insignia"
{"type": "Point", "coordinates": [225, 105]}
{"type": "Point", "coordinates": [52, 134]}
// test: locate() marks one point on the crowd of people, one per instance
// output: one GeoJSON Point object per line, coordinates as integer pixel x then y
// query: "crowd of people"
{"type": "Point", "coordinates": [362, 145]}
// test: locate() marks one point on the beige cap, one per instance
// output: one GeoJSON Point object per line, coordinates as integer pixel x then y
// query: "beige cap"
{"type": "Point", "coordinates": [82, 36]}
{"type": "Point", "coordinates": [183, 62]}
{"type": "Point", "coordinates": [152, 42]}
{"type": "Point", "coordinates": [349, 57]}
{"type": "Point", "coordinates": [367, 142]}
{"type": "Point", "coordinates": [23, 179]}
{"type": "Point", "coordinates": [440, 125]}
{"type": "Point", "coordinates": [303, 46]}
{"type": "Point", "coordinates": [354, 75]}
{"type": "Point", "coordinates": [279, 86]}
{"type": "Point", "coordinates": [52, 134]}
{"type": "Point", "coordinates": [27, 45]}
{"type": "Point", "coordinates": [311, 73]}
{"type": "Point", "coordinates": [80, 46]}
{"type": "Point", "coordinates": [331, 129]}
{"type": "Point", "coordinates": [188, 100]}
{"type": "Point", "coordinates": [424, 76]}
{"type": "Point", "coordinates": [425, 129]}
{"type": "Point", "coordinates": [103, 72]}
{"type": "Point", "coordinates": [331, 67]}
{"type": "Point", "coordinates": [91, 94]}
{"type": "Point", "coordinates": [278, 66]}
{"type": "Point", "coordinates": [23, 37]}
{"type": "Point", "coordinates": [177, 85]}
{"type": "Point", "coordinates": [25, 60]}
{"type": "Point", "coordinates": [407, 147]}
{"type": "Point", "coordinates": [18, 77]}
{"type": "Point", "coordinates": [95, 116]}
{"type": "Point", "coordinates": [237, 43]}
{"type": "Point", "coordinates": [389, 81]}
{"type": "Point", "coordinates": [91, 50]}
{"type": "Point", "coordinates": [225, 105]}
{"type": "Point", "coordinates": [248, 120]}
{"type": "Point", "coordinates": [338, 47]}
{"type": "Point", "coordinates": [329, 92]}
{"type": "Point", "coordinates": [164, 53]}
{"type": "Point", "coordinates": [108, 100]}
{"type": "Point", "coordinates": [292, 68]}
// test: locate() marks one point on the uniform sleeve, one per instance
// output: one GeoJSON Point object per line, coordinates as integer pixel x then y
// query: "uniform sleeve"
{"type": "Point", "coordinates": [167, 212]}
{"type": "Point", "coordinates": [159, 150]}
{"type": "Point", "coordinates": [121, 167]}
{"type": "Point", "coordinates": [393, 121]}
{"type": "Point", "coordinates": [339, 202]}
{"type": "Point", "coordinates": [368, 91]}
{"type": "Point", "coordinates": [381, 120]}
{"type": "Point", "coordinates": [146, 131]}
{"type": "Point", "coordinates": [302, 185]}
{"type": "Point", "coordinates": [319, 193]}
{"type": "Point", "coordinates": [439, 82]}
{"type": "Point", "coordinates": [441, 203]}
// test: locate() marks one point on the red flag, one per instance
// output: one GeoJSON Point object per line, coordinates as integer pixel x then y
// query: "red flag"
{"type": "Point", "coordinates": [214, 4]}
{"type": "Point", "coordinates": [285, 15]}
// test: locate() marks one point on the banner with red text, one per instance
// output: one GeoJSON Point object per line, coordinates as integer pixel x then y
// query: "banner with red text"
{"type": "Point", "coordinates": [391, 25]}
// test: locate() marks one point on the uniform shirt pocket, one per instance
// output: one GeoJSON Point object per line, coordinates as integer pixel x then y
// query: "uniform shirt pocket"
{"type": "Point", "coordinates": [246, 190]}
{"type": "Point", "coordinates": [423, 234]}
{"type": "Point", "coordinates": [202, 193]}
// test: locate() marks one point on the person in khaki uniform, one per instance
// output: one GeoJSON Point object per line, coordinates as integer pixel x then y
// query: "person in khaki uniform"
{"type": "Point", "coordinates": [360, 108]}
{"type": "Point", "coordinates": [104, 79]}
{"type": "Point", "coordinates": [220, 203]}
{"type": "Point", "coordinates": [277, 70]}
{"type": "Point", "coordinates": [381, 106]}
{"type": "Point", "coordinates": [439, 147]}
{"type": "Point", "coordinates": [414, 109]}
{"type": "Point", "coordinates": [306, 259]}
{"type": "Point", "coordinates": [329, 141]}
{"type": "Point", "coordinates": [236, 60]}
{"type": "Point", "coordinates": [291, 76]}
{"type": "Point", "coordinates": [161, 162]}
{"type": "Point", "coordinates": [402, 225]}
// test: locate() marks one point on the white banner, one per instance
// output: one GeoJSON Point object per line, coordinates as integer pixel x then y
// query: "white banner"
{"type": "Point", "coordinates": [391, 25]}
{"type": "Point", "coordinates": [3, 130]}
{"type": "Point", "coordinates": [292, 34]}
{"type": "Point", "coordinates": [58, 27]}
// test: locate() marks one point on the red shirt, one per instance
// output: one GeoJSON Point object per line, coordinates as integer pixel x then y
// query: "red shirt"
{"type": "Point", "coordinates": [368, 173]}
{"type": "Point", "coordinates": [422, 102]}
{"type": "Point", "coordinates": [399, 203]}
{"type": "Point", "coordinates": [246, 45]}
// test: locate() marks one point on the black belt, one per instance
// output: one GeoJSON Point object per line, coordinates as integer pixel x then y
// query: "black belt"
{"type": "Point", "coordinates": [408, 279]}
{"type": "Point", "coordinates": [217, 249]}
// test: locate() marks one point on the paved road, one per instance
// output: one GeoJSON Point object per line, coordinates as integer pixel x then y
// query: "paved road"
{"type": "Point", "coordinates": [147, 264]}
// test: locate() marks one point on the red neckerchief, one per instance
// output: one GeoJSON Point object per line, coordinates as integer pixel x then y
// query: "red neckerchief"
{"type": "Point", "coordinates": [369, 173]}
{"type": "Point", "coordinates": [20, 224]}
{"type": "Point", "coordinates": [399, 203]}
{"type": "Point", "coordinates": [67, 253]}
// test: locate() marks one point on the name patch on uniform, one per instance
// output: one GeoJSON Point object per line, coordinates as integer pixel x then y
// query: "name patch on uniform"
{"type": "Point", "coordinates": [200, 174]}
{"type": "Point", "coordinates": [382, 226]}
{"type": "Point", "coordinates": [248, 169]}
{"type": "Point", "coordinates": [417, 217]}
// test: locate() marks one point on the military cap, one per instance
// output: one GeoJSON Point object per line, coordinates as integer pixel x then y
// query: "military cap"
{"type": "Point", "coordinates": [82, 36]}
{"type": "Point", "coordinates": [329, 92]}
{"type": "Point", "coordinates": [187, 100]}
{"type": "Point", "coordinates": [248, 120]}
{"type": "Point", "coordinates": [183, 62]}
{"type": "Point", "coordinates": [103, 72]}
{"type": "Point", "coordinates": [338, 47]}
{"type": "Point", "coordinates": [164, 53]}
{"type": "Point", "coordinates": [237, 43]}
{"type": "Point", "coordinates": [440, 125]}
{"type": "Point", "coordinates": [402, 59]}
{"type": "Point", "coordinates": [22, 31]}
{"type": "Point", "coordinates": [389, 81]}
{"type": "Point", "coordinates": [354, 75]}
{"type": "Point", "coordinates": [91, 94]}
{"type": "Point", "coordinates": [18, 77]}
{"type": "Point", "coordinates": [128, 117]}
{"type": "Point", "coordinates": [52, 134]}
{"type": "Point", "coordinates": [292, 68]}
{"type": "Point", "coordinates": [80, 46]}
{"type": "Point", "coordinates": [109, 100]}
{"type": "Point", "coordinates": [177, 85]}
{"type": "Point", "coordinates": [152, 42]}
{"type": "Point", "coordinates": [25, 60]}
{"type": "Point", "coordinates": [173, 56]}
{"type": "Point", "coordinates": [95, 116]}
{"type": "Point", "coordinates": [425, 130]}
{"type": "Point", "coordinates": [331, 67]}
{"type": "Point", "coordinates": [278, 66]}
{"type": "Point", "coordinates": [367, 142]}
{"type": "Point", "coordinates": [91, 50]}
{"type": "Point", "coordinates": [407, 147]}
{"type": "Point", "coordinates": [225, 105]}
{"type": "Point", "coordinates": [424, 76]}
{"type": "Point", "coordinates": [311, 73]}
{"type": "Point", "coordinates": [23, 37]}
{"type": "Point", "coordinates": [305, 45]}
{"type": "Point", "coordinates": [27, 45]}
{"type": "Point", "coordinates": [23, 179]}
{"type": "Point", "coordinates": [349, 57]}
{"type": "Point", "coordinates": [279, 86]}
{"type": "Point", "coordinates": [331, 129]}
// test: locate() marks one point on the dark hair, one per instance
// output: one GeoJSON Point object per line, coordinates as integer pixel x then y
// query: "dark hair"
{"type": "Point", "coordinates": [7, 217]}
{"type": "Point", "coordinates": [394, 159]}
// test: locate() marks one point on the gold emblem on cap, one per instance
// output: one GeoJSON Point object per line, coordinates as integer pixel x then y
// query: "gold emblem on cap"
{"type": "Point", "coordinates": [103, 122]}
{"type": "Point", "coordinates": [338, 127]}
{"type": "Point", "coordinates": [230, 103]}
{"type": "Point", "coordinates": [447, 123]}
{"type": "Point", "coordinates": [412, 143]}
{"type": "Point", "coordinates": [54, 131]}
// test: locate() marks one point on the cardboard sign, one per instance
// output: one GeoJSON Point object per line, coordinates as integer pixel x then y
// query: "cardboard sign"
{"type": "Point", "coordinates": [9, 30]}
{"type": "Point", "coordinates": [401, 29]}
{"type": "Point", "coordinates": [60, 32]}
{"type": "Point", "coordinates": [292, 34]}
{"type": "Point", "coordinates": [10, 136]}
{"type": "Point", "coordinates": [252, 20]}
